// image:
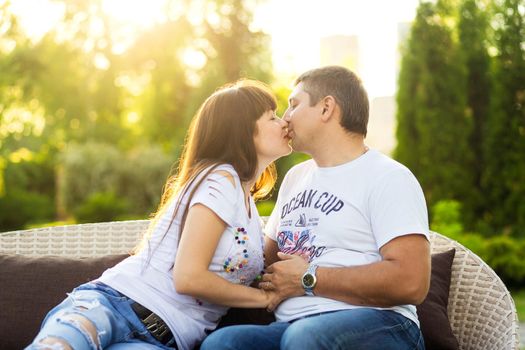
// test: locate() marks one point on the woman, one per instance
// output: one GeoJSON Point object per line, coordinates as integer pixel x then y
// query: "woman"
{"type": "Point", "coordinates": [204, 247]}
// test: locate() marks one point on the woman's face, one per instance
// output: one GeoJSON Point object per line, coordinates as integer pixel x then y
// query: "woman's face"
{"type": "Point", "coordinates": [271, 139]}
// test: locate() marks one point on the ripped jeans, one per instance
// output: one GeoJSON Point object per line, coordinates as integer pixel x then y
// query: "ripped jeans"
{"type": "Point", "coordinates": [118, 327]}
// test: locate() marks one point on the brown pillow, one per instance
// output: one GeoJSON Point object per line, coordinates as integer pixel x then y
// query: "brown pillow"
{"type": "Point", "coordinates": [432, 313]}
{"type": "Point", "coordinates": [30, 287]}
{"type": "Point", "coordinates": [237, 316]}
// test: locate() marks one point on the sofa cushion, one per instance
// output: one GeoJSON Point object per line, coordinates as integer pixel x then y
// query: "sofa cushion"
{"type": "Point", "coordinates": [30, 287]}
{"type": "Point", "coordinates": [432, 313]}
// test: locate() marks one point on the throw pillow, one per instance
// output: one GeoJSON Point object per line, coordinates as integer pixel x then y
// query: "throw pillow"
{"type": "Point", "coordinates": [432, 313]}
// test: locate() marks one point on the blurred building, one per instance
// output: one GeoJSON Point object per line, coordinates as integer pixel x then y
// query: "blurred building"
{"type": "Point", "coordinates": [382, 124]}
{"type": "Point", "coordinates": [342, 50]}
{"type": "Point", "coordinates": [403, 31]}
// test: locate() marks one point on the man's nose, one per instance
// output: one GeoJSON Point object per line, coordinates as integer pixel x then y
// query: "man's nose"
{"type": "Point", "coordinates": [286, 116]}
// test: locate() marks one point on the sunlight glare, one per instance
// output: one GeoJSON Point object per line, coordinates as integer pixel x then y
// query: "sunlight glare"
{"type": "Point", "coordinates": [194, 59]}
{"type": "Point", "coordinates": [101, 62]}
{"type": "Point", "coordinates": [143, 14]}
{"type": "Point", "coordinates": [133, 117]}
{"type": "Point", "coordinates": [37, 17]}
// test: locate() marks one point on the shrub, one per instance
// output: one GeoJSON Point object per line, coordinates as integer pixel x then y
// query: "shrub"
{"type": "Point", "coordinates": [29, 190]}
{"type": "Point", "coordinates": [18, 208]}
{"type": "Point", "coordinates": [142, 177]}
{"type": "Point", "coordinates": [88, 168]}
{"type": "Point", "coordinates": [507, 257]}
{"type": "Point", "coordinates": [137, 177]}
{"type": "Point", "coordinates": [101, 206]}
{"type": "Point", "coordinates": [446, 218]}
{"type": "Point", "coordinates": [505, 254]}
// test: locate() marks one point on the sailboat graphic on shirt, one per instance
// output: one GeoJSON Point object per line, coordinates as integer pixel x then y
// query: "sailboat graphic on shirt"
{"type": "Point", "coordinates": [301, 222]}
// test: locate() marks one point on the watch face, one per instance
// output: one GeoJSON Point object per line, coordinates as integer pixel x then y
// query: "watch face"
{"type": "Point", "coordinates": [308, 280]}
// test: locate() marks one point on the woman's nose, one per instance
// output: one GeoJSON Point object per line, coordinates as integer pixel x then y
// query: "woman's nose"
{"type": "Point", "coordinates": [284, 123]}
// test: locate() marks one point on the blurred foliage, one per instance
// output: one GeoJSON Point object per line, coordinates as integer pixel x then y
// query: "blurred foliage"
{"type": "Point", "coordinates": [504, 253]}
{"type": "Point", "coordinates": [461, 110]}
{"type": "Point", "coordinates": [479, 200]}
{"type": "Point", "coordinates": [100, 207]}
{"type": "Point", "coordinates": [18, 208]}
{"type": "Point", "coordinates": [446, 218]}
{"type": "Point", "coordinates": [92, 169]}
{"type": "Point", "coordinates": [29, 198]}
{"type": "Point", "coordinates": [504, 178]}
{"type": "Point", "coordinates": [265, 207]}
{"type": "Point", "coordinates": [94, 112]}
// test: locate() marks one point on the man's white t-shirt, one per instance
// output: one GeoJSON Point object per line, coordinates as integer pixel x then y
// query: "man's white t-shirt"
{"type": "Point", "coordinates": [147, 277]}
{"type": "Point", "coordinates": [341, 216]}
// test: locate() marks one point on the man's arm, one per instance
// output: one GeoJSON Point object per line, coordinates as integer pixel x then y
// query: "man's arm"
{"type": "Point", "coordinates": [402, 277]}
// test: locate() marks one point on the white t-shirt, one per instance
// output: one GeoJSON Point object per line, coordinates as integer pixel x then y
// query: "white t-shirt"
{"type": "Point", "coordinates": [238, 258]}
{"type": "Point", "coordinates": [341, 216]}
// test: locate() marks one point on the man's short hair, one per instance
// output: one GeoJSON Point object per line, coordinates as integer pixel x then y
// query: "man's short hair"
{"type": "Point", "coordinates": [347, 90]}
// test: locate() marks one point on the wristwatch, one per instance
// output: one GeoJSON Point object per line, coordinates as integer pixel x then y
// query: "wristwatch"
{"type": "Point", "coordinates": [309, 280]}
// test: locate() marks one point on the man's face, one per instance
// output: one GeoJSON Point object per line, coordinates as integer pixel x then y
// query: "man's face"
{"type": "Point", "coordinates": [302, 118]}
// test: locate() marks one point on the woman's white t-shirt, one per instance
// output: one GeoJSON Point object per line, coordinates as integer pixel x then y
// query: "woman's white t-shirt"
{"type": "Point", "coordinates": [147, 277]}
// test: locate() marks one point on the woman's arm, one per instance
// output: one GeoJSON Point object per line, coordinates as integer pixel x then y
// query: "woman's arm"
{"type": "Point", "coordinates": [270, 251]}
{"type": "Point", "coordinates": [200, 237]}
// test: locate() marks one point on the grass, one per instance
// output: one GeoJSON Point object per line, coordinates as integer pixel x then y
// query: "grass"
{"type": "Point", "coordinates": [519, 300]}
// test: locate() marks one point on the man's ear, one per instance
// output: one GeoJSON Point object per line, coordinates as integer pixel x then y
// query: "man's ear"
{"type": "Point", "coordinates": [328, 107]}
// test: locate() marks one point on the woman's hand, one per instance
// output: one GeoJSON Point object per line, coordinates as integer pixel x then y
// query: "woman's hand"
{"type": "Point", "coordinates": [273, 300]}
{"type": "Point", "coordinates": [284, 278]}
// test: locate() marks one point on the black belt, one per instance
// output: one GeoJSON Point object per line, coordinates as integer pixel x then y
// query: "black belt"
{"type": "Point", "coordinates": [154, 324]}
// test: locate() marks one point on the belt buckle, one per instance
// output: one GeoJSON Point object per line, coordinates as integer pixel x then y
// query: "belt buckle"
{"type": "Point", "coordinates": [156, 327]}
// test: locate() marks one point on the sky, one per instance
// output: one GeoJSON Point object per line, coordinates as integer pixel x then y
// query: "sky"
{"type": "Point", "coordinates": [295, 26]}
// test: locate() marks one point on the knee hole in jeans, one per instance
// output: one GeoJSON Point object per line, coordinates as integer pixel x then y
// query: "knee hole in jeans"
{"type": "Point", "coordinates": [84, 326]}
{"type": "Point", "coordinates": [52, 343]}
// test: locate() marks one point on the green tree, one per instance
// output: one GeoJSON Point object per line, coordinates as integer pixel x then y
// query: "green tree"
{"type": "Point", "coordinates": [473, 37]}
{"type": "Point", "coordinates": [408, 137]}
{"type": "Point", "coordinates": [77, 85]}
{"type": "Point", "coordinates": [163, 104]}
{"type": "Point", "coordinates": [503, 180]}
{"type": "Point", "coordinates": [236, 51]}
{"type": "Point", "coordinates": [433, 127]}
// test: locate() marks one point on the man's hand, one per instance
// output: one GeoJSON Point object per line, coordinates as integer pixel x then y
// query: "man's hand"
{"type": "Point", "coordinates": [284, 278]}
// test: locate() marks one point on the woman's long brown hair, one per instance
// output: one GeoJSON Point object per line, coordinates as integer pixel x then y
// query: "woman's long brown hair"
{"type": "Point", "coordinates": [221, 132]}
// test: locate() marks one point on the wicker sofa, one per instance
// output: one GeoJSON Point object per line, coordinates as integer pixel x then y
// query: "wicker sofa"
{"type": "Point", "coordinates": [480, 309]}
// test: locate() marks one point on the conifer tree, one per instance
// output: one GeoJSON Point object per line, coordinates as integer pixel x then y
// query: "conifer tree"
{"type": "Point", "coordinates": [406, 133]}
{"type": "Point", "coordinates": [473, 30]}
{"type": "Point", "coordinates": [504, 176]}
{"type": "Point", "coordinates": [433, 128]}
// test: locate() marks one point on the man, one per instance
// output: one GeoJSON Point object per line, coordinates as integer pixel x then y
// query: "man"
{"type": "Point", "coordinates": [347, 243]}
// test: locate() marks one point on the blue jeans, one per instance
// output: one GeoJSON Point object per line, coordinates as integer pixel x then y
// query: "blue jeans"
{"type": "Point", "coordinates": [118, 327]}
{"type": "Point", "coordinates": [363, 328]}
